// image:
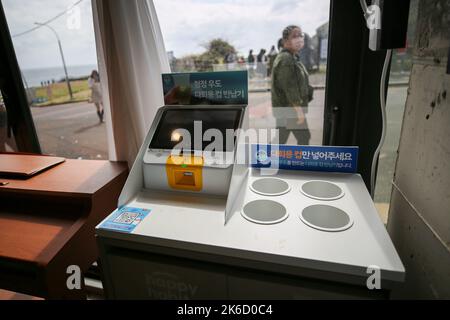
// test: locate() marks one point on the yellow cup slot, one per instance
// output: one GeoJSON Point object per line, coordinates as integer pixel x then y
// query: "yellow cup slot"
{"type": "Point", "coordinates": [185, 172]}
{"type": "Point", "coordinates": [185, 178]}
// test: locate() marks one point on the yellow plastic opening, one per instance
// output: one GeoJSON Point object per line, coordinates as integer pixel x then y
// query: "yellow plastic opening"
{"type": "Point", "coordinates": [185, 172]}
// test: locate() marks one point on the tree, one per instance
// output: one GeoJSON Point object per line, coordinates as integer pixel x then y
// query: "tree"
{"type": "Point", "coordinates": [216, 51]}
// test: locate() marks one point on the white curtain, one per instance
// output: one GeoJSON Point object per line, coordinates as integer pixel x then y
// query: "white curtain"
{"type": "Point", "coordinates": [131, 57]}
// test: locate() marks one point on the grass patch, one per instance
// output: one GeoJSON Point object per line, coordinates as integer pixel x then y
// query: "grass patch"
{"type": "Point", "coordinates": [59, 93]}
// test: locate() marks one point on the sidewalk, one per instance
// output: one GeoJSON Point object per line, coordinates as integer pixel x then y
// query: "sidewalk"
{"type": "Point", "coordinates": [71, 130]}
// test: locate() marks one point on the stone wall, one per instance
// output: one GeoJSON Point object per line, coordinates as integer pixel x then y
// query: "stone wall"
{"type": "Point", "coordinates": [419, 217]}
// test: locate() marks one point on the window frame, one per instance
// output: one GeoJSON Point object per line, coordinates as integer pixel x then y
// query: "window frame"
{"type": "Point", "coordinates": [18, 111]}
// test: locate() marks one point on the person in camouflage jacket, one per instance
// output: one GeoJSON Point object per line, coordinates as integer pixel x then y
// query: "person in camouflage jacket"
{"type": "Point", "coordinates": [291, 91]}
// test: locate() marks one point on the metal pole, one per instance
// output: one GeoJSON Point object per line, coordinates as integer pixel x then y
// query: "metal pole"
{"type": "Point", "coordinates": [65, 70]}
{"type": "Point", "coordinates": [62, 57]}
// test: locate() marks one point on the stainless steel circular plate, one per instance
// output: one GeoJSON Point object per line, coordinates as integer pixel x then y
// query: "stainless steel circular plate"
{"type": "Point", "coordinates": [321, 190]}
{"type": "Point", "coordinates": [326, 218]}
{"type": "Point", "coordinates": [270, 187]}
{"type": "Point", "coordinates": [264, 211]}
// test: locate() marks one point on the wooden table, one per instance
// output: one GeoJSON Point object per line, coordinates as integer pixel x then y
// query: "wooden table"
{"type": "Point", "coordinates": [9, 295]}
{"type": "Point", "coordinates": [47, 224]}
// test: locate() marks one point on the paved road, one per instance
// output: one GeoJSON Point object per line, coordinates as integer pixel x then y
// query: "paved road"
{"type": "Point", "coordinates": [261, 115]}
{"type": "Point", "coordinates": [73, 130]}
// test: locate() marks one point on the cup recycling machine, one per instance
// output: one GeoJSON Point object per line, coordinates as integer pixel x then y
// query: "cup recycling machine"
{"type": "Point", "coordinates": [201, 225]}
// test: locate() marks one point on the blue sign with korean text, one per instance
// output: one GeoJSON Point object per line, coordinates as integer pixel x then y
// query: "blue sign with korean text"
{"type": "Point", "coordinates": [125, 219]}
{"type": "Point", "coordinates": [310, 158]}
{"type": "Point", "coordinates": [212, 88]}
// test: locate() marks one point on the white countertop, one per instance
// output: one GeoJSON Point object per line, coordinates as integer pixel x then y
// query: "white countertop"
{"type": "Point", "coordinates": [196, 223]}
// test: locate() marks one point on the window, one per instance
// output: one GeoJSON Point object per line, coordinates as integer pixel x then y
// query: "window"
{"type": "Point", "coordinates": [230, 35]}
{"type": "Point", "coordinates": [55, 48]}
{"type": "Point", "coordinates": [7, 141]}
{"type": "Point", "coordinates": [395, 104]}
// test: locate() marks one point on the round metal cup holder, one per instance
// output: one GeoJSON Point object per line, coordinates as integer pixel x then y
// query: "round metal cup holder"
{"type": "Point", "coordinates": [326, 218]}
{"type": "Point", "coordinates": [264, 211]}
{"type": "Point", "coordinates": [270, 186]}
{"type": "Point", "coordinates": [321, 190]}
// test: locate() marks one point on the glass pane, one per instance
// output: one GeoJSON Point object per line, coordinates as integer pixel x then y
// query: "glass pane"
{"type": "Point", "coordinates": [230, 35]}
{"type": "Point", "coordinates": [7, 141]}
{"type": "Point", "coordinates": [395, 105]}
{"type": "Point", "coordinates": [55, 48]}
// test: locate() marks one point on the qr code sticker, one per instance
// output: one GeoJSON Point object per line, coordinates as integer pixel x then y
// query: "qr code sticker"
{"type": "Point", "coordinates": [126, 217]}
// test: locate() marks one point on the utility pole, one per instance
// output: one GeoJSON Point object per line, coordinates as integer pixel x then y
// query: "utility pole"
{"type": "Point", "coordinates": [62, 57]}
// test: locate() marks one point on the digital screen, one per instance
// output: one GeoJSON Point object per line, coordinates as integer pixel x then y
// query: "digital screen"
{"type": "Point", "coordinates": [167, 134]}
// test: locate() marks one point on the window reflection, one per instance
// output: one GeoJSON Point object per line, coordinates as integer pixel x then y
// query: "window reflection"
{"type": "Point", "coordinates": [221, 37]}
{"type": "Point", "coordinates": [7, 141]}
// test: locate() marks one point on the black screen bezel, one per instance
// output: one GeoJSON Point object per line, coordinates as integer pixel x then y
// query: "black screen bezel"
{"type": "Point", "coordinates": [237, 122]}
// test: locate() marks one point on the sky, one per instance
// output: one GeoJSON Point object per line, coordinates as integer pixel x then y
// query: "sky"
{"type": "Point", "coordinates": [39, 49]}
{"type": "Point", "coordinates": [185, 24]}
{"type": "Point", "coordinates": [246, 24]}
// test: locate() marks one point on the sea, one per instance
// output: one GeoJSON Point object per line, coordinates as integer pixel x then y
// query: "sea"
{"type": "Point", "coordinates": [34, 77]}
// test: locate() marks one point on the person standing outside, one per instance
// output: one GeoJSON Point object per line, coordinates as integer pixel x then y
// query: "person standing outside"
{"type": "Point", "coordinates": [251, 64]}
{"type": "Point", "coordinates": [251, 57]}
{"type": "Point", "coordinates": [260, 66]}
{"type": "Point", "coordinates": [96, 93]}
{"type": "Point", "coordinates": [230, 59]}
{"type": "Point", "coordinates": [272, 55]}
{"type": "Point", "coordinates": [290, 88]}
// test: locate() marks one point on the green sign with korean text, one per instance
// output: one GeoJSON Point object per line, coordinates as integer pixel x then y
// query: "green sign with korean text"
{"type": "Point", "coordinates": [205, 88]}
